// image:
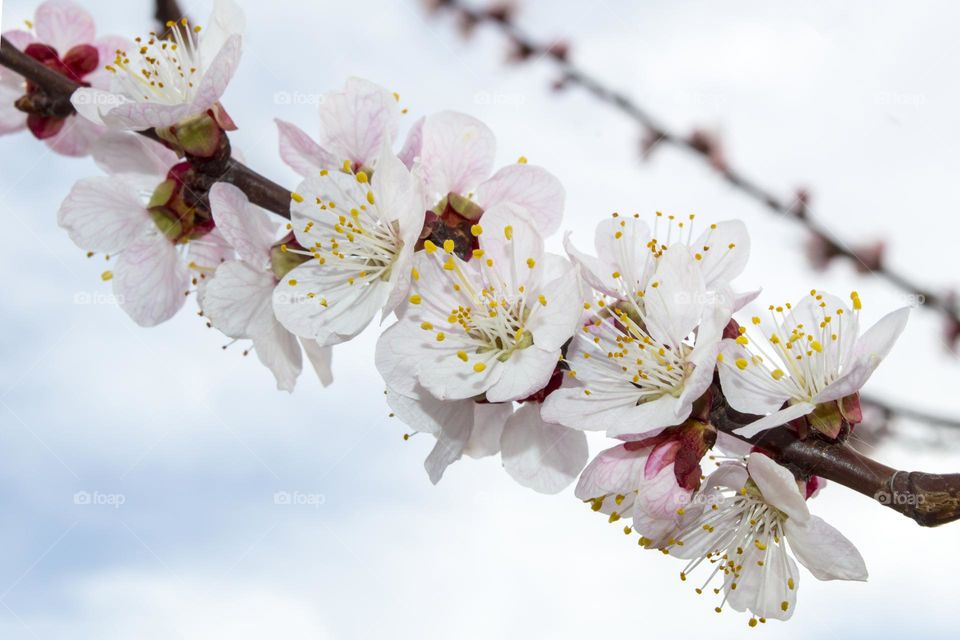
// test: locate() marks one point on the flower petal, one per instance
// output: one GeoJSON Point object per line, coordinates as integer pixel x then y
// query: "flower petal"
{"type": "Point", "coordinates": [776, 419]}
{"type": "Point", "coordinates": [238, 300]}
{"type": "Point", "coordinates": [456, 154]}
{"type": "Point", "coordinates": [300, 152]}
{"type": "Point", "coordinates": [554, 323]}
{"type": "Point", "coordinates": [826, 552]}
{"type": "Point", "coordinates": [488, 422]}
{"type": "Point", "coordinates": [778, 486]}
{"type": "Point", "coordinates": [104, 215]}
{"type": "Point", "coordinates": [246, 227]}
{"type": "Point", "coordinates": [63, 24]}
{"type": "Point", "coordinates": [729, 249]}
{"type": "Point", "coordinates": [357, 121]}
{"type": "Point", "coordinates": [122, 152]}
{"type": "Point", "coordinates": [614, 471]}
{"type": "Point", "coordinates": [542, 456]}
{"type": "Point", "coordinates": [279, 351]}
{"type": "Point", "coordinates": [526, 372]}
{"type": "Point", "coordinates": [321, 358]}
{"type": "Point", "coordinates": [150, 280]}
{"type": "Point", "coordinates": [534, 189]}
{"type": "Point", "coordinates": [675, 305]}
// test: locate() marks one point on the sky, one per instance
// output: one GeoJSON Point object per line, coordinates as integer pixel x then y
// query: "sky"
{"type": "Point", "coordinates": [154, 485]}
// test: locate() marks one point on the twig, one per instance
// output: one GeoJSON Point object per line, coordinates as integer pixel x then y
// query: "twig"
{"type": "Point", "coordinates": [260, 190]}
{"type": "Point", "coordinates": [527, 47]}
{"type": "Point", "coordinates": [930, 499]}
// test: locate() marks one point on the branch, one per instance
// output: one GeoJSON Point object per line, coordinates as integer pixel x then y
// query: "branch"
{"type": "Point", "coordinates": [260, 190]}
{"type": "Point", "coordinates": [928, 498]}
{"type": "Point", "coordinates": [527, 47]}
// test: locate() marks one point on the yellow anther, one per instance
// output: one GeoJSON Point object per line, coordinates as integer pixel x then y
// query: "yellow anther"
{"type": "Point", "coordinates": [531, 263]}
{"type": "Point", "coordinates": [476, 230]}
{"type": "Point", "coordinates": [448, 246]}
{"type": "Point", "coordinates": [362, 177]}
{"type": "Point", "coordinates": [414, 273]}
{"type": "Point", "coordinates": [777, 374]}
{"type": "Point", "coordinates": [347, 166]}
{"type": "Point", "coordinates": [508, 232]}
{"type": "Point", "coordinates": [292, 282]}
{"type": "Point", "coordinates": [522, 160]}
{"type": "Point", "coordinates": [479, 367]}
{"type": "Point", "coordinates": [415, 299]}
{"type": "Point", "coordinates": [429, 247]}
{"type": "Point", "coordinates": [462, 355]}
{"type": "Point", "coordinates": [296, 197]}
{"type": "Point", "coordinates": [741, 364]}
{"type": "Point", "coordinates": [106, 276]}
{"type": "Point", "coordinates": [441, 337]}
{"type": "Point", "coordinates": [370, 198]}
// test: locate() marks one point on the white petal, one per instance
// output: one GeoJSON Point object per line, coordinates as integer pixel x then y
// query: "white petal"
{"type": "Point", "coordinates": [124, 152]}
{"type": "Point", "coordinates": [104, 215]}
{"type": "Point", "coordinates": [398, 196]}
{"type": "Point", "coordinates": [742, 389]}
{"type": "Point", "coordinates": [150, 280]}
{"type": "Point", "coordinates": [63, 25]}
{"type": "Point", "coordinates": [720, 264]}
{"type": "Point", "coordinates": [650, 418]}
{"type": "Point", "coordinates": [357, 121]}
{"type": "Point", "coordinates": [621, 246]}
{"type": "Point", "coordinates": [542, 456]}
{"type": "Point", "coordinates": [247, 228]}
{"type": "Point", "coordinates": [512, 256]}
{"type": "Point", "coordinates": [571, 407]}
{"type": "Point", "coordinates": [488, 422]}
{"type": "Point", "coordinates": [869, 351]}
{"type": "Point", "coordinates": [238, 300]}
{"type": "Point", "coordinates": [11, 118]}
{"type": "Point", "coordinates": [674, 307]}
{"type": "Point", "coordinates": [456, 154]}
{"type": "Point", "coordinates": [279, 351]}
{"type": "Point", "coordinates": [300, 152]}
{"type": "Point", "coordinates": [227, 19]}
{"type": "Point", "coordinates": [526, 372]}
{"type": "Point", "coordinates": [590, 268]}
{"type": "Point", "coordinates": [552, 325]}
{"type": "Point", "coordinates": [616, 471]}
{"type": "Point", "coordinates": [826, 552]}
{"type": "Point", "coordinates": [411, 147]}
{"type": "Point", "coordinates": [534, 189]}
{"type": "Point", "coordinates": [76, 138]}
{"type": "Point", "coordinates": [321, 358]}
{"type": "Point", "coordinates": [399, 352]}
{"type": "Point", "coordinates": [778, 486]}
{"type": "Point", "coordinates": [450, 444]}
{"type": "Point", "coordinates": [776, 419]}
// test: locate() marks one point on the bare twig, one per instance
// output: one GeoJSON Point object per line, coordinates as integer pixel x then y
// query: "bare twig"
{"type": "Point", "coordinates": [795, 209]}
{"type": "Point", "coordinates": [260, 190]}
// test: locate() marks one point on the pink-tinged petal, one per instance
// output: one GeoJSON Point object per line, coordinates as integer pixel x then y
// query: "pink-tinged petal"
{"type": "Point", "coordinates": [729, 249]}
{"type": "Point", "coordinates": [209, 252]}
{"type": "Point", "coordinates": [218, 75]}
{"type": "Point", "coordinates": [356, 122]}
{"type": "Point", "coordinates": [826, 552]}
{"type": "Point", "coordinates": [12, 119]}
{"type": "Point", "coordinates": [539, 455]}
{"type": "Point", "coordinates": [414, 142]}
{"type": "Point", "coordinates": [63, 25]}
{"type": "Point", "coordinates": [398, 195]}
{"type": "Point", "coordinates": [279, 351]}
{"type": "Point", "coordinates": [526, 372]}
{"type": "Point", "coordinates": [488, 422]}
{"type": "Point", "coordinates": [554, 323]}
{"type": "Point", "coordinates": [93, 104]}
{"type": "Point", "coordinates": [246, 227]}
{"type": "Point", "coordinates": [150, 280]}
{"type": "Point", "coordinates": [675, 298]}
{"type": "Point", "coordinates": [20, 39]}
{"type": "Point", "coordinates": [300, 152]}
{"type": "Point", "coordinates": [615, 471]}
{"type": "Point", "coordinates": [77, 137]}
{"type": "Point", "coordinates": [104, 215]}
{"type": "Point", "coordinates": [321, 359]}
{"type": "Point", "coordinates": [534, 189]}
{"type": "Point", "coordinates": [121, 152]}
{"type": "Point", "coordinates": [457, 153]}
{"type": "Point", "coordinates": [107, 48]}
{"type": "Point", "coordinates": [869, 351]}
{"type": "Point", "coordinates": [778, 486]}
{"type": "Point", "coordinates": [238, 300]}
{"type": "Point", "coordinates": [659, 498]}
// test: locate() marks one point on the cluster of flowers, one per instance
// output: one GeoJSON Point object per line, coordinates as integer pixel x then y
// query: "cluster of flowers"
{"type": "Point", "coordinates": [498, 347]}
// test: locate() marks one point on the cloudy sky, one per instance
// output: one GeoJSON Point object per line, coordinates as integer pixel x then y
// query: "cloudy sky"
{"type": "Point", "coordinates": [139, 469]}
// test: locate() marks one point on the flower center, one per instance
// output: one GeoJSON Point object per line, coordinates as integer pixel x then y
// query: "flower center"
{"type": "Point", "coordinates": [164, 68]}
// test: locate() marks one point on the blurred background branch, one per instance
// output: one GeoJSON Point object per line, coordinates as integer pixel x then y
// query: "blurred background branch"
{"type": "Point", "coordinates": [823, 244]}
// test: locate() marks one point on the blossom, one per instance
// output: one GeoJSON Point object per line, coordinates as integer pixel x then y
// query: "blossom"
{"type": "Point", "coordinates": [650, 480]}
{"type": "Point", "coordinates": [639, 366]}
{"type": "Point", "coordinates": [150, 224]}
{"type": "Point", "coordinates": [490, 326]}
{"type": "Point", "coordinates": [360, 232]}
{"type": "Point", "coordinates": [63, 38]}
{"type": "Point", "coordinates": [740, 525]}
{"type": "Point", "coordinates": [801, 360]}
{"type": "Point", "coordinates": [539, 455]}
{"type": "Point", "coordinates": [453, 153]}
{"type": "Point", "coordinates": [169, 78]}
{"type": "Point", "coordinates": [628, 252]}
{"type": "Point", "coordinates": [238, 298]}
{"type": "Point", "coordinates": [355, 124]}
